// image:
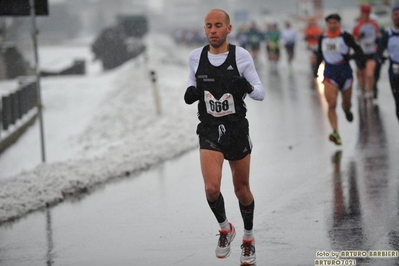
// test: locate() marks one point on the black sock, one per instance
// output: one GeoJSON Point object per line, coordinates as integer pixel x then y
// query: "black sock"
{"type": "Point", "coordinates": [247, 213]}
{"type": "Point", "coordinates": [217, 208]}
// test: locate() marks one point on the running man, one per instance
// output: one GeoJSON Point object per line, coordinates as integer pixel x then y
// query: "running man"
{"type": "Point", "coordinates": [334, 49]}
{"type": "Point", "coordinates": [288, 37]}
{"type": "Point", "coordinates": [390, 42]}
{"type": "Point", "coordinates": [221, 76]}
{"type": "Point", "coordinates": [366, 33]}
{"type": "Point", "coordinates": [242, 37]}
{"type": "Point", "coordinates": [254, 39]}
{"type": "Point", "coordinates": [312, 35]}
{"type": "Point", "coordinates": [272, 37]}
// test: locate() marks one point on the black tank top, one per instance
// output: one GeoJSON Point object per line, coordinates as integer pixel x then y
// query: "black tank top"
{"type": "Point", "coordinates": [221, 102]}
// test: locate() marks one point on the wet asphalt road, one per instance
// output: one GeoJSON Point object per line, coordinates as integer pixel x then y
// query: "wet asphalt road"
{"type": "Point", "coordinates": [310, 195]}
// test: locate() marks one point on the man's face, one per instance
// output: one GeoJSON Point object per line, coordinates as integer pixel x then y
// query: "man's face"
{"type": "Point", "coordinates": [333, 25]}
{"type": "Point", "coordinates": [365, 15]}
{"type": "Point", "coordinates": [216, 28]}
{"type": "Point", "coordinates": [395, 18]}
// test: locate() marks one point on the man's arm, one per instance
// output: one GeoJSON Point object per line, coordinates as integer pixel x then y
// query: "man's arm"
{"type": "Point", "coordinates": [355, 32]}
{"type": "Point", "coordinates": [319, 58]}
{"type": "Point", "coordinates": [247, 69]}
{"type": "Point", "coordinates": [192, 94]}
{"type": "Point", "coordinates": [382, 46]}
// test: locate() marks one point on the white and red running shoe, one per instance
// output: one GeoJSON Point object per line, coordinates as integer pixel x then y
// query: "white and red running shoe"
{"type": "Point", "coordinates": [248, 256]}
{"type": "Point", "coordinates": [225, 238]}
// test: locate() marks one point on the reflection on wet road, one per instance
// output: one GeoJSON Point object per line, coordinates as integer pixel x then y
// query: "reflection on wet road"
{"type": "Point", "coordinates": [364, 207]}
{"type": "Point", "coordinates": [347, 229]}
{"type": "Point", "coordinates": [364, 171]}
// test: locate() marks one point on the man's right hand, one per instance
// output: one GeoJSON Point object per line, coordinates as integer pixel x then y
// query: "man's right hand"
{"type": "Point", "coordinates": [192, 95]}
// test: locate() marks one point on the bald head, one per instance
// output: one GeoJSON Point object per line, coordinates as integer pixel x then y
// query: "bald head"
{"type": "Point", "coordinates": [219, 11]}
{"type": "Point", "coordinates": [217, 27]}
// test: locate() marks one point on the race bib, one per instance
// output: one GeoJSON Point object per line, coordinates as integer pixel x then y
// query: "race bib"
{"type": "Point", "coordinates": [331, 46]}
{"type": "Point", "coordinates": [368, 45]}
{"type": "Point", "coordinates": [218, 108]}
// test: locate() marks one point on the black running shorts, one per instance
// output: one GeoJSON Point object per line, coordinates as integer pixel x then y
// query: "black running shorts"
{"type": "Point", "coordinates": [290, 47]}
{"type": "Point", "coordinates": [366, 58]}
{"type": "Point", "coordinates": [230, 138]}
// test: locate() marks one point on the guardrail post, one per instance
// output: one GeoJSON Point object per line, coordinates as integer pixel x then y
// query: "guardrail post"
{"type": "Point", "coordinates": [155, 92]}
{"type": "Point", "coordinates": [14, 107]}
{"type": "Point", "coordinates": [6, 113]}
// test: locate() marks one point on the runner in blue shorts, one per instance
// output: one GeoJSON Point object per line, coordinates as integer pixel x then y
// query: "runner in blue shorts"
{"type": "Point", "coordinates": [339, 75]}
{"type": "Point", "coordinates": [334, 50]}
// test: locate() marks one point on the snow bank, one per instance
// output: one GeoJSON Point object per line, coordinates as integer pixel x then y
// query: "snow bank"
{"type": "Point", "coordinates": [124, 135]}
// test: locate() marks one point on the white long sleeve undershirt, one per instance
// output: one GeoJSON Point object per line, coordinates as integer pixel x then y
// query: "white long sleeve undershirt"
{"type": "Point", "coordinates": [245, 65]}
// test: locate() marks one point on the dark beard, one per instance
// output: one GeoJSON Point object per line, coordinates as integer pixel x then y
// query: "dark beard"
{"type": "Point", "coordinates": [218, 44]}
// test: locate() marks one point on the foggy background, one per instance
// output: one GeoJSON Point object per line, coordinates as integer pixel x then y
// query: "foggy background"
{"type": "Point", "coordinates": [89, 22]}
{"type": "Point", "coordinates": [86, 18]}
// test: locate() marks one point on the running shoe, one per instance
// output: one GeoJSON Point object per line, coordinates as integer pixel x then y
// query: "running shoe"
{"type": "Point", "coordinates": [349, 115]}
{"type": "Point", "coordinates": [248, 256]}
{"type": "Point", "coordinates": [334, 137]}
{"type": "Point", "coordinates": [225, 238]}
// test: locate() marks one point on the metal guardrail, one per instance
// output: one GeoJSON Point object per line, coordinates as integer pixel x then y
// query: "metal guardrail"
{"type": "Point", "coordinates": [14, 105]}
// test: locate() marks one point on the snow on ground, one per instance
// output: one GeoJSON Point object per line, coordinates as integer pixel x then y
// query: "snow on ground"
{"type": "Point", "coordinates": [99, 127]}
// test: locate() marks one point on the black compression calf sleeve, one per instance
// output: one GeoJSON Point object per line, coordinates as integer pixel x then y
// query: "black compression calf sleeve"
{"type": "Point", "coordinates": [217, 208]}
{"type": "Point", "coordinates": [247, 213]}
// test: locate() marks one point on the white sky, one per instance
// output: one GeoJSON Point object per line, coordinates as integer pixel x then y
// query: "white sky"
{"type": "Point", "coordinates": [156, 4]}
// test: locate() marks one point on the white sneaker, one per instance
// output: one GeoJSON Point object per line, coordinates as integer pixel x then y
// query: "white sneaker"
{"type": "Point", "coordinates": [225, 238]}
{"type": "Point", "coordinates": [248, 256]}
